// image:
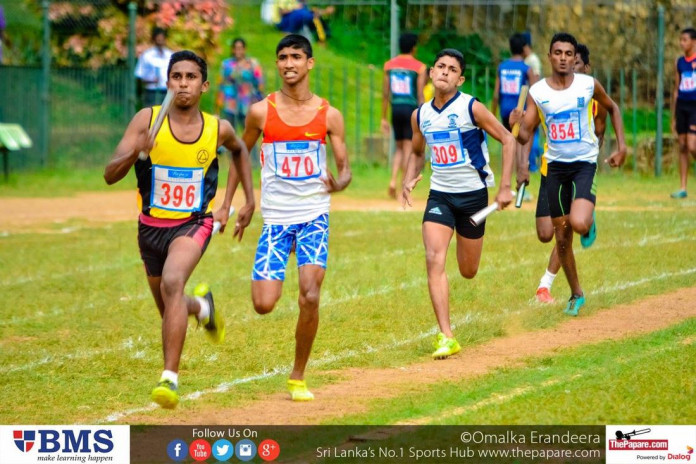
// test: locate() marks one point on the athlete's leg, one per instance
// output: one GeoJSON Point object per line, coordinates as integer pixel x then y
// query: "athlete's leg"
{"type": "Point", "coordinates": [544, 228]}
{"type": "Point", "coordinates": [436, 238]}
{"type": "Point", "coordinates": [691, 141]}
{"type": "Point", "coordinates": [265, 294]}
{"type": "Point", "coordinates": [399, 158]}
{"type": "Point", "coordinates": [581, 218]}
{"type": "Point", "coordinates": [272, 253]}
{"type": "Point", "coordinates": [683, 160]}
{"type": "Point", "coordinates": [184, 254]}
{"type": "Point", "coordinates": [311, 278]}
{"type": "Point", "coordinates": [564, 247]}
{"type": "Point", "coordinates": [469, 255]}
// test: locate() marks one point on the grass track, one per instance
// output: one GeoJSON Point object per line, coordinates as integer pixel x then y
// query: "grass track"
{"type": "Point", "coordinates": [78, 316]}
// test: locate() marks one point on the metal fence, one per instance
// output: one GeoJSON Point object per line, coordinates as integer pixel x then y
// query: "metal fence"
{"type": "Point", "coordinates": [76, 116]}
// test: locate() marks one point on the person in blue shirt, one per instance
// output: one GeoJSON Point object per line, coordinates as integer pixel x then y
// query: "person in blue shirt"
{"type": "Point", "coordinates": [512, 74]}
{"type": "Point", "coordinates": [684, 105]}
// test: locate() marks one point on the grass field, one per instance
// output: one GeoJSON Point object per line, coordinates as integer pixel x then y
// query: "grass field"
{"type": "Point", "coordinates": [80, 335]}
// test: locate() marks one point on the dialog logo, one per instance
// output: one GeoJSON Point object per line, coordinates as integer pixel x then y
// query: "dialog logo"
{"type": "Point", "coordinates": [24, 439]}
{"type": "Point", "coordinates": [223, 450]}
{"type": "Point", "coordinates": [245, 450]}
{"type": "Point", "coordinates": [177, 450]}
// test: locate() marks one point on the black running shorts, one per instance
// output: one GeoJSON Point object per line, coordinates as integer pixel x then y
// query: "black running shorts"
{"type": "Point", "coordinates": [454, 210]}
{"type": "Point", "coordinates": [154, 241]}
{"type": "Point", "coordinates": [401, 121]}
{"type": "Point", "coordinates": [566, 182]}
{"type": "Point", "coordinates": [542, 209]}
{"type": "Point", "coordinates": [686, 117]}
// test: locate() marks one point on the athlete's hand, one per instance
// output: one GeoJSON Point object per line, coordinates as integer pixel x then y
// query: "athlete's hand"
{"type": "Point", "coordinates": [386, 127]}
{"type": "Point", "coordinates": [407, 189]}
{"type": "Point", "coordinates": [243, 219]}
{"type": "Point", "coordinates": [222, 215]}
{"type": "Point", "coordinates": [515, 116]}
{"type": "Point", "coordinates": [504, 197]}
{"type": "Point", "coordinates": [332, 185]}
{"type": "Point", "coordinates": [617, 158]}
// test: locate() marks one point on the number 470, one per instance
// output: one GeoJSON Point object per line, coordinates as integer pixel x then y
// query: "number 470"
{"type": "Point", "coordinates": [296, 162]}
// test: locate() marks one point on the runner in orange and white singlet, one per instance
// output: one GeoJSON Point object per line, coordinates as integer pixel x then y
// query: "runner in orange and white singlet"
{"type": "Point", "coordinates": [295, 193]}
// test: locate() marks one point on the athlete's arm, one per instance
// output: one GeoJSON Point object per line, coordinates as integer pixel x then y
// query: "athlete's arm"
{"type": "Point", "coordinates": [486, 121]}
{"type": "Point", "coordinates": [415, 162]}
{"type": "Point", "coordinates": [336, 130]}
{"type": "Point", "coordinates": [600, 124]}
{"type": "Point", "coordinates": [496, 95]}
{"type": "Point", "coordinates": [675, 95]}
{"type": "Point", "coordinates": [385, 102]}
{"type": "Point", "coordinates": [134, 140]}
{"type": "Point", "coordinates": [617, 158]}
{"type": "Point", "coordinates": [529, 120]}
{"type": "Point", "coordinates": [420, 84]}
{"type": "Point", "coordinates": [240, 164]}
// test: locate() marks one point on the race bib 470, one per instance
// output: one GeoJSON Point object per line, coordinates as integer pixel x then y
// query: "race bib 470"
{"type": "Point", "coordinates": [297, 160]}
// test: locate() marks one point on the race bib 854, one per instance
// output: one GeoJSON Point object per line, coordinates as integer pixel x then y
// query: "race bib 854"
{"type": "Point", "coordinates": [565, 127]}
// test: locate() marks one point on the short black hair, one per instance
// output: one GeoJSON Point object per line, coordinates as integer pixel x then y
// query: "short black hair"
{"type": "Point", "coordinates": [238, 39]}
{"type": "Point", "coordinates": [407, 42]}
{"type": "Point", "coordinates": [563, 37]}
{"type": "Point", "coordinates": [295, 41]}
{"type": "Point", "coordinates": [584, 53]}
{"type": "Point", "coordinates": [188, 55]}
{"type": "Point", "coordinates": [157, 31]}
{"type": "Point", "coordinates": [517, 43]}
{"type": "Point", "coordinates": [691, 31]}
{"type": "Point", "coordinates": [454, 54]}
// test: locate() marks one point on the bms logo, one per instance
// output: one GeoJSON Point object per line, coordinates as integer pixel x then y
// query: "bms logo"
{"type": "Point", "coordinates": [24, 439]}
{"type": "Point", "coordinates": [69, 441]}
{"type": "Point", "coordinates": [452, 120]}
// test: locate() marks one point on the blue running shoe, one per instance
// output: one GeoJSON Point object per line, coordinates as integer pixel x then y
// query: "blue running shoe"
{"type": "Point", "coordinates": [586, 240]}
{"type": "Point", "coordinates": [574, 304]}
{"type": "Point", "coordinates": [679, 194]}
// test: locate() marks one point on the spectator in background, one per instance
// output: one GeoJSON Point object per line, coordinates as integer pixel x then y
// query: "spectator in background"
{"type": "Point", "coordinates": [532, 60]}
{"type": "Point", "coordinates": [151, 69]}
{"type": "Point", "coordinates": [3, 37]}
{"type": "Point", "coordinates": [239, 86]}
{"type": "Point", "coordinates": [292, 16]}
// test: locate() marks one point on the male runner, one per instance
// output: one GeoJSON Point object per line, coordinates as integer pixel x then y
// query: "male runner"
{"type": "Point", "coordinates": [295, 187]}
{"type": "Point", "coordinates": [453, 125]}
{"type": "Point", "coordinates": [176, 188]}
{"type": "Point", "coordinates": [565, 101]}
{"type": "Point", "coordinates": [684, 106]}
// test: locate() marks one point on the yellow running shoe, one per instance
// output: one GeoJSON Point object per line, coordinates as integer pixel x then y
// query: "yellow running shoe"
{"type": "Point", "coordinates": [298, 390]}
{"type": "Point", "coordinates": [165, 394]}
{"type": "Point", "coordinates": [214, 324]}
{"type": "Point", "coordinates": [445, 347]}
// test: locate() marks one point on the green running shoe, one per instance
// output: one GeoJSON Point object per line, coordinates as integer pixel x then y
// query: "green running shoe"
{"type": "Point", "coordinates": [586, 240]}
{"type": "Point", "coordinates": [445, 347]}
{"type": "Point", "coordinates": [214, 324]}
{"type": "Point", "coordinates": [574, 304]}
{"type": "Point", "coordinates": [165, 394]}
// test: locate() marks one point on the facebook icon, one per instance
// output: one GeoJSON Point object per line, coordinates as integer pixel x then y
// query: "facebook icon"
{"type": "Point", "coordinates": [177, 450]}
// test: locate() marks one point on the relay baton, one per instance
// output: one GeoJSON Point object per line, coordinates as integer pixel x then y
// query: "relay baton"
{"type": "Point", "coordinates": [520, 196]}
{"type": "Point", "coordinates": [520, 105]}
{"type": "Point", "coordinates": [166, 105]}
{"type": "Point", "coordinates": [481, 216]}
{"type": "Point", "coordinates": [217, 224]}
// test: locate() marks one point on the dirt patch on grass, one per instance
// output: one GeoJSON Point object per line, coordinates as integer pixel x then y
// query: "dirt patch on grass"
{"type": "Point", "coordinates": [33, 214]}
{"type": "Point", "coordinates": [361, 386]}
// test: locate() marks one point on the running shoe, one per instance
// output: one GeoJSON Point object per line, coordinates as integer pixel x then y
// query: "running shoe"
{"type": "Point", "coordinates": [445, 347]}
{"type": "Point", "coordinates": [679, 194]}
{"type": "Point", "coordinates": [165, 394]}
{"type": "Point", "coordinates": [298, 390]}
{"type": "Point", "coordinates": [543, 295]}
{"type": "Point", "coordinates": [586, 240]}
{"type": "Point", "coordinates": [574, 304]}
{"type": "Point", "coordinates": [214, 324]}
